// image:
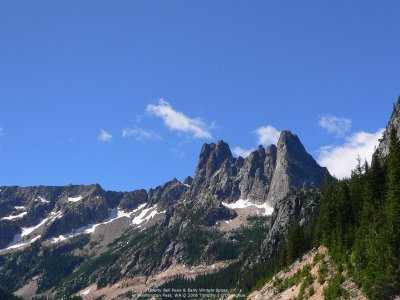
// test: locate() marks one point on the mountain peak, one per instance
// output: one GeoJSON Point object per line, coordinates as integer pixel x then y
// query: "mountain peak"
{"type": "Point", "coordinates": [294, 168]}
{"type": "Point", "coordinates": [223, 150]}
{"type": "Point", "coordinates": [288, 138]}
{"type": "Point", "coordinates": [211, 158]}
{"type": "Point", "coordinates": [266, 175]}
{"type": "Point", "coordinates": [286, 133]}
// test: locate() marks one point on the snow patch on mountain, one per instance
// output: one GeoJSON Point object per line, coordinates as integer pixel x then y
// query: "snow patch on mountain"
{"type": "Point", "coordinates": [242, 203]}
{"type": "Point", "coordinates": [75, 199]}
{"type": "Point", "coordinates": [41, 199]}
{"type": "Point", "coordinates": [115, 214]}
{"type": "Point", "coordinates": [29, 230]}
{"type": "Point", "coordinates": [146, 215]}
{"type": "Point", "coordinates": [15, 246]}
{"type": "Point", "coordinates": [21, 215]}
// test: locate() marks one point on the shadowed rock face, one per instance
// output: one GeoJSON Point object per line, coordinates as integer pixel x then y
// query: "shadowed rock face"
{"type": "Point", "coordinates": [131, 200]}
{"type": "Point", "coordinates": [256, 174]}
{"type": "Point", "coordinates": [167, 194]}
{"type": "Point", "coordinates": [383, 148]}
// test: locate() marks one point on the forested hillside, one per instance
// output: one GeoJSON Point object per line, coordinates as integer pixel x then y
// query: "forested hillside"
{"type": "Point", "coordinates": [360, 222]}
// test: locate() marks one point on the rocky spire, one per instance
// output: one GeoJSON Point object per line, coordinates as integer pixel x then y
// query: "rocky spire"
{"type": "Point", "coordinates": [212, 156]}
{"type": "Point", "coordinates": [256, 174]}
{"type": "Point", "coordinates": [266, 175]}
{"type": "Point", "coordinates": [294, 169]}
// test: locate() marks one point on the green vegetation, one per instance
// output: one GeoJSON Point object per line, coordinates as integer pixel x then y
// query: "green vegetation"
{"type": "Point", "coordinates": [359, 222]}
{"type": "Point", "coordinates": [244, 243]}
{"type": "Point", "coordinates": [5, 295]}
{"type": "Point", "coordinates": [281, 285]}
{"type": "Point", "coordinates": [225, 278]}
{"type": "Point", "coordinates": [323, 272]}
{"type": "Point", "coordinates": [300, 239]}
{"type": "Point", "coordinates": [103, 268]}
{"type": "Point", "coordinates": [56, 267]}
{"type": "Point", "coordinates": [128, 295]}
{"type": "Point", "coordinates": [334, 291]}
{"type": "Point", "coordinates": [54, 263]}
{"type": "Point", "coordinates": [360, 219]}
{"type": "Point", "coordinates": [311, 291]}
{"type": "Point", "coordinates": [318, 257]}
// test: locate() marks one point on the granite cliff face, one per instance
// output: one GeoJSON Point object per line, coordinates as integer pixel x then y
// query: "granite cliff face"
{"type": "Point", "coordinates": [294, 169]}
{"type": "Point", "coordinates": [255, 175]}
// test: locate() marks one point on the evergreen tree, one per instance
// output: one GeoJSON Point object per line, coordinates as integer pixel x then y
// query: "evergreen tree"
{"type": "Point", "coordinates": [393, 210]}
{"type": "Point", "coordinates": [356, 191]}
{"type": "Point", "coordinates": [328, 212]}
{"type": "Point", "coordinates": [295, 244]}
{"type": "Point", "coordinates": [393, 189]}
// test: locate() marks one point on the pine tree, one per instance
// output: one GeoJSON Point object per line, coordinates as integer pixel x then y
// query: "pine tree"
{"type": "Point", "coordinates": [295, 244]}
{"type": "Point", "coordinates": [346, 215]}
{"type": "Point", "coordinates": [393, 189]}
{"type": "Point", "coordinates": [393, 208]}
{"type": "Point", "coordinates": [356, 191]}
{"type": "Point", "coordinates": [328, 211]}
{"type": "Point", "coordinates": [377, 182]}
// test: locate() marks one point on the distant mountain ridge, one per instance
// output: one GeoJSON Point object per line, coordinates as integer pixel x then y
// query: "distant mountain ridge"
{"type": "Point", "coordinates": [266, 175]}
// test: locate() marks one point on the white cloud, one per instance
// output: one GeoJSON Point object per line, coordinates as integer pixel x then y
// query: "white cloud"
{"type": "Point", "coordinates": [177, 121]}
{"type": "Point", "coordinates": [238, 151]}
{"type": "Point", "coordinates": [140, 134]}
{"type": "Point", "coordinates": [267, 135]}
{"type": "Point", "coordinates": [340, 160]}
{"type": "Point", "coordinates": [177, 152]}
{"type": "Point", "coordinates": [335, 125]}
{"type": "Point", "coordinates": [104, 136]}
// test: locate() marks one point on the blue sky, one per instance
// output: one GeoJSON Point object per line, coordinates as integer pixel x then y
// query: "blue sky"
{"type": "Point", "coordinates": [124, 93]}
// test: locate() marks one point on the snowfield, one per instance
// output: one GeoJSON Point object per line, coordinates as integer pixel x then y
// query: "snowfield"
{"type": "Point", "coordinates": [242, 203]}
{"type": "Point", "coordinates": [15, 246]}
{"type": "Point", "coordinates": [75, 199]}
{"type": "Point", "coordinates": [41, 199]}
{"type": "Point", "coordinates": [16, 243]}
{"type": "Point", "coordinates": [21, 215]}
{"type": "Point", "coordinates": [144, 216]}
{"type": "Point", "coordinates": [115, 214]}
